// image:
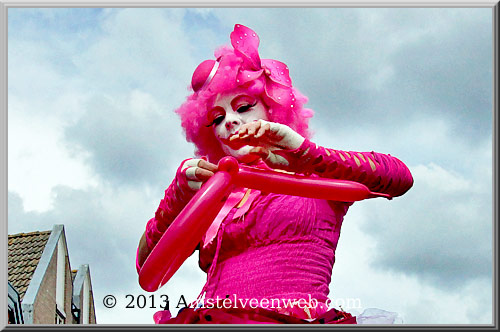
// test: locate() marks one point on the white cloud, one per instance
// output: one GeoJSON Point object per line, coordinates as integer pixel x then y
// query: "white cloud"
{"type": "Point", "coordinates": [416, 300]}
{"type": "Point", "coordinates": [39, 160]}
{"type": "Point", "coordinates": [434, 177]}
{"type": "Point", "coordinates": [139, 48]}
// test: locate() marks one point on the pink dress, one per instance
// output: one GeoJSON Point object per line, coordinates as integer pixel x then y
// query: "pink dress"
{"type": "Point", "coordinates": [287, 242]}
{"type": "Point", "coordinates": [278, 248]}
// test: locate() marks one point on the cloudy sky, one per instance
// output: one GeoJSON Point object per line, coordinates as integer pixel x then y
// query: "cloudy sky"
{"type": "Point", "coordinates": [93, 140]}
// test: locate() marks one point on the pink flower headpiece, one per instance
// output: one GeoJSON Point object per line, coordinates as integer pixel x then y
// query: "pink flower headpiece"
{"type": "Point", "coordinates": [210, 74]}
{"type": "Point", "coordinates": [240, 67]}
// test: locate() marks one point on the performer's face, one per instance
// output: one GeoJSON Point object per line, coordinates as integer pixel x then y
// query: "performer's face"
{"type": "Point", "coordinates": [229, 112]}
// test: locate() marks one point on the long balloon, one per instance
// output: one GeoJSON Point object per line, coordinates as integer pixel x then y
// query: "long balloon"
{"type": "Point", "coordinates": [184, 234]}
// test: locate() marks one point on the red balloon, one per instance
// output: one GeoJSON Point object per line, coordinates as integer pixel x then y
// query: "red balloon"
{"type": "Point", "coordinates": [305, 186]}
{"type": "Point", "coordinates": [183, 235]}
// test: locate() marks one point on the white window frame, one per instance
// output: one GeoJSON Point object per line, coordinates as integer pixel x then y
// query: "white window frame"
{"type": "Point", "coordinates": [60, 316]}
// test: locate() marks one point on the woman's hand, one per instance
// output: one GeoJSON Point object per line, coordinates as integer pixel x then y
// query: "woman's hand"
{"type": "Point", "coordinates": [194, 172]}
{"type": "Point", "coordinates": [267, 139]}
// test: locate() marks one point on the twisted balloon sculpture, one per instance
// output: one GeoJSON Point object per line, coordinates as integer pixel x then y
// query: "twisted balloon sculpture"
{"type": "Point", "coordinates": [183, 235]}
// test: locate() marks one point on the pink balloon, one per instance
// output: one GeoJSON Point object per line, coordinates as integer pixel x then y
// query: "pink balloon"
{"type": "Point", "coordinates": [300, 185]}
{"type": "Point", "coordinates": [184, 234]}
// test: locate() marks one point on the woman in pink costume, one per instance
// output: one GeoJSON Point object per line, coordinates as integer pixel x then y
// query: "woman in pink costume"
{"type": "Point", "coordinates": [268, 257]}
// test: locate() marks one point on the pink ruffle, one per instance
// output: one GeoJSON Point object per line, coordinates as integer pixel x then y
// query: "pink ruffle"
{"type": "Point", "coordinates": [247, 316]}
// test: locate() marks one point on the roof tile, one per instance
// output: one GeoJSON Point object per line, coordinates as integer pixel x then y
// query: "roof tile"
{"type": "Point", "coordinates": [25, 250]}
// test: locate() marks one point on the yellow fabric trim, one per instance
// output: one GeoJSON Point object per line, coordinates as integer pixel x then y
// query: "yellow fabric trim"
{"type": "Point", "coordinates": [244, 199]}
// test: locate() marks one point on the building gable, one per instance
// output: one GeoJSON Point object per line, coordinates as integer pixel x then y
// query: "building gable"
{"type": "Point", "coordinates": [83, 296]}
{"type": "Point", "coordinates": [24, 253]}
{"type": "Point", "coordinates": [39, 265]}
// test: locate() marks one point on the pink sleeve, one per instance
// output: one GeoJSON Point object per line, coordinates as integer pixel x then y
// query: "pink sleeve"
{"type": "Point", "coordinates": [170, 206]}
{"type": "Point", "coordinates": [379, 172]}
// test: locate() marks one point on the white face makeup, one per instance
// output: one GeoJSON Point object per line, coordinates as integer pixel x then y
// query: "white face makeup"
{"type": "Point", "coordinates": [229, 112]}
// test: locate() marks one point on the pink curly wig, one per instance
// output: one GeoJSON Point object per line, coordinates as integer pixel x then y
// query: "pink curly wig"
{"type": "Point", "coordinates": [240, 67]}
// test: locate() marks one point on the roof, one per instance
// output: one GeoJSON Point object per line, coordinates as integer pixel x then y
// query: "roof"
{"type": "Point", "coordinates": [25, 250]}
{"type": "Point", "coordinates": [78, 283]}
{"type": "Point", "coordinates": [73, 274]}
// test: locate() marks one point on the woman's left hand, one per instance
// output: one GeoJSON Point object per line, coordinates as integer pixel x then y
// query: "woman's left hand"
{"type": "Point", "coordinates": [268, 137]}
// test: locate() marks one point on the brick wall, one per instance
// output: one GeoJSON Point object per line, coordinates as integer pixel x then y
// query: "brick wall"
{"type": "Point", "coordinates": [92, 309]}
{"type": "Point", "coordinates": [44, 306]}
{"type": "Point", "coordinates": [44, 309]}
{"type": "Point", "coordinates": [92, 318]}
{"type": "Point", "coordinates": [68, 291]}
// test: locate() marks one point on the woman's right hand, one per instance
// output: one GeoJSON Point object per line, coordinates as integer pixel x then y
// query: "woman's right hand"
{"type": "Point", "coordinates": [193, 173]}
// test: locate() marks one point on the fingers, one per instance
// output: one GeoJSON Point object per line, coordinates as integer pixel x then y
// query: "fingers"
{"type": "Point", "coordinates": [271, 133]}
{"type": "Point", "coordinates": [251, 133]}
{"type": "Point", "coordinates": [252, 128]}
{"type": "Point", "coordinates": [207, 165]}
{"type": "Point", "coordinates": [196, 172]}
{"type": "Point", "coordinates": [270, 158]}
{"type": "Point", "coordinates": [190, 163]}
{"type": "Point", "coordinates": [260, 151]}
{"type": "Point", "coordinates": [263, 130]}
{"type": "Point", "coordinates": [249, 129]}
{"type": "Point", "coordinates": [199, 163]}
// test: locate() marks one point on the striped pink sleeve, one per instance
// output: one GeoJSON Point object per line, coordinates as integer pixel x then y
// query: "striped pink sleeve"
{"type": "Point", "coordinates": [379, 172]}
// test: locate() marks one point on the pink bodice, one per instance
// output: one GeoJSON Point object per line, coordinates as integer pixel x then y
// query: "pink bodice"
{"type": "Point", "coordinates": [283, 247]}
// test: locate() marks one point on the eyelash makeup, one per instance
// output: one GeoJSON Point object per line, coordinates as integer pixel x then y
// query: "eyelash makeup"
{"type": "Point", "coordinates": [240, 109]}
{"type": "Point", "coordinates": [245, 107]}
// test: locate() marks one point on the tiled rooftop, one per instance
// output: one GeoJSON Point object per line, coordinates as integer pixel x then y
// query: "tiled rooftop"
{"type": "Point", "coordinates": [25, 250]}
